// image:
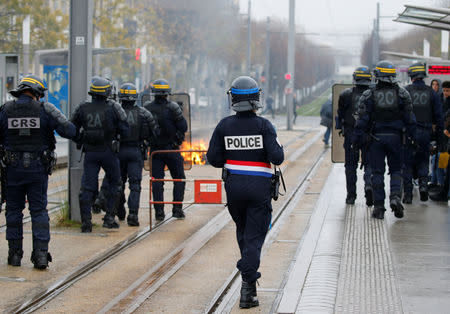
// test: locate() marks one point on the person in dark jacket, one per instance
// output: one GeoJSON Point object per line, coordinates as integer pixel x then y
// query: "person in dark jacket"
{"type": "Point", "coordinates": [245, 145]}
{"type": "Point", "coordinates": [326, 119]}
{"type": "Point", "coordinates": [173, 126]}
{"type": "Point", "coordinates": [27, 137]}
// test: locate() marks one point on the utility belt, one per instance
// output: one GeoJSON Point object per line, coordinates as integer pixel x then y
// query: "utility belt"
{"type": "Point", "coordinates": [47, 158]}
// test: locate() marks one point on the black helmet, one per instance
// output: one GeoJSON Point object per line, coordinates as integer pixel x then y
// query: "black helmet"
{"type": "Point", "coordinates": [100, 86]}
{"type": "Point", "coordinates": [417, 70]}
{"type": "Point", "coordinates": [128, 92]}
{"type": "Point", "coordinates": [161, 87]}
{"type": "Point", "coordinates": [385, 71]}
{"type": "Point", "coordinates": [244, 94]}
{"type": "Point", "coordinates": [31, 83]}
{"type": "Point", "coordinates": [362, 76]}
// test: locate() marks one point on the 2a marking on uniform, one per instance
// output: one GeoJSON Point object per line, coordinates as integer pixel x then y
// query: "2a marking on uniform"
{"type": "Point", "coordinates": [24, 123]}
{"type": "Point", "coordinates": [243, 142]}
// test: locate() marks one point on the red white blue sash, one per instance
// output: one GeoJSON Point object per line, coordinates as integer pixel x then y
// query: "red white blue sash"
{"type": "Point", "coordinates": [250, 168]}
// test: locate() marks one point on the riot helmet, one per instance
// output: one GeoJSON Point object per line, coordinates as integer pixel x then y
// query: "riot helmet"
{"type": "Point", "coordinates": [128, 92]}
{"type": "Point", "coordinates": [161, 87]}
{"type": "Point", "coordinates": [100, 87]}
{"type": "Point", "coordinates": [244, 94]}
{"type": "Point", "coordinates": [417, 71]}
{"type": "Point", "coordinates": [31, 83]}
{"type": "Point", "coordinates": [362, 76]}
{"type": "Point", "coordinates": [385, 71]}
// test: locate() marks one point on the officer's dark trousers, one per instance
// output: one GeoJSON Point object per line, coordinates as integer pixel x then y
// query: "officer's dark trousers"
{"type": "Point", "coordinates": [351, 166]}
{"type": "Point", "coordinates": [32, 183]}
{"type": "Point", "coordinates": [89, 182]}
{"type": "Point", "coordinates": [174, 162]}
{"type": "Point", "coordinates": [387, 145]}
{"type": "Point", "coordinates": [248, 199]}
{"type": "Point", "coordinates": [417, 160]}
{"type": "Point", "coordinates": [131, 164]}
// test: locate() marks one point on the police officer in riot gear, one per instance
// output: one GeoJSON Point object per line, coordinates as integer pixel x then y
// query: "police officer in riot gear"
{"type": "Point", "coordinates": [143, 129]}
{"type": "Point", "coordinates": [384, 115]}
{"type": "Point", "coordinates": [173, 126]}
{"type": "Point", "coordinates": [102, 122]}
{"type": "Point", "coordinates": [345, 121]}
{"type": "Point", "coordinates": [245, 145]}
{"type": "Point", "coordinates": [27, 137]}
{"type": "Point", "coordinates": [427, 108]}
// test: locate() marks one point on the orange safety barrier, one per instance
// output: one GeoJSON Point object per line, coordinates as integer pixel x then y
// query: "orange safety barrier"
{"type": "Point", "coordinates": [205, 191]}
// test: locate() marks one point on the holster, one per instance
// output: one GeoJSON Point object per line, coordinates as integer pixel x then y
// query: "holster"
{"type": "Point", "coordinates": [224, 174]}
{"type": "Point", "coordinates": [275, 184]}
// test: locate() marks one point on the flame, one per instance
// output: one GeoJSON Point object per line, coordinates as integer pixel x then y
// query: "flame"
{"type": "Point", "coordinates": [194, 158]}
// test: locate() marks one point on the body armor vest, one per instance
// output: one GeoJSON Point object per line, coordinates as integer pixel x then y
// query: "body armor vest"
{"type": "Point", "coordinates": [421, 102]}
{"type": "Point", "coordinates": [135, 123]}
{"type": "Point", "coordinates": [24, 126]}
{"type": "Point", "coordinates": [386, 104]}
{"type": "Point", "coordinates": [95, 127]}
{"type": "Point", "coordinates": [158, 111]}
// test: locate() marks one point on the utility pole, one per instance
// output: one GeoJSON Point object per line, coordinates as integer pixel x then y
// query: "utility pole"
{"type": "Point", "coordinates": [267, 83]}
{"type": "Point", "coordinates": [249, 37]}
{"type": "Point", "coordinates": [80, 71]}
{"type": "Point", "coordinates": [291, 63]}
{"type": "Point", "coordinates": [26, 45]}
{"type": "Point", "coordinates": [444, 45]}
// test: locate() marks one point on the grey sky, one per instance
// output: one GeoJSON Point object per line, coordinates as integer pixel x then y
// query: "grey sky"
{"type": "Point", "coordinates": [332, 16]}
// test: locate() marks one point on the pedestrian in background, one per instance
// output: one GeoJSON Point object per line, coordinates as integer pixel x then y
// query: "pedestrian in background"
{"type": "Point", "coordinates": [326, 119]}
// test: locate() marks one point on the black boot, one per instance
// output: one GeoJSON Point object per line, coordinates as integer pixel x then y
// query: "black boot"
{"type": "Point", "coordinates": [159, 213]}
{"type": "Point", "coordinates": [378, 212]}
{"type": "Point", "coordinates": [350, 200]}
{"type": "Point", "coordinates": [133, 220]}
{"type": "Point", "coordinates": [15, 257]}
{"type": "Point", "coordinates": [121, 213]}
{"type": "Point", "coordinates": [86, 227]}
{"type": "Point", "coordinates": [99, 204]}
{"type": "Point", "coordinates": [40, 258]}
{"type": "Point", "coordinates": [423, 191]}
{"type": "Point", "coordinates": [368, 193]}
{"type": "Point", "coordinates": [109, 222]}
{"type": "Point", "coordinates": [407, 198]}
{"type": "Point", "coordinates": [248, 295]}
{"type": "Point", "coordinates": [177, 212]}
{"type": "Point", "coordinates": [396, 206]}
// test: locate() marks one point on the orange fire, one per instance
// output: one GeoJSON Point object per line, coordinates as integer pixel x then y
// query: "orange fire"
{"type": "Point", "coordinates": [195, 158]}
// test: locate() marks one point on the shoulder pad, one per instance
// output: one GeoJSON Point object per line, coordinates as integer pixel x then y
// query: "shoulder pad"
{"type": "Point", "coordinates": [175, 109]}
{"type": "Point", "coordinates": [147, 114]}
{"type": "Point", "coordinates": [366, 94]}
{"type": "Point", "coordinates": [54, 112]}
{"type": "Point", "coordinates": [118, 108]}
{"type": "Point", "coordinates": [403, 93]}
{"type": "Point", "coordinates": [347, 91]}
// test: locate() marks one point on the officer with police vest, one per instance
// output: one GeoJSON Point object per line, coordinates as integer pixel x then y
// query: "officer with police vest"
{"type": "Point", "coordinates": [427, 108]}
{"type": "Point", "coordinates": [27, 137]}
{"type": "Point", "coordinates": [245, 145]}
{"type": "Point", "coordinates": [173, 126]}
{"type": "Point", "coordinates": [143, 129]}
{"type": "Point", "coordinates": [345, 121]}
{"type": "Point", "coordinates": [385, 117]}
{"type": "Point", "coordinates": [103, 123]}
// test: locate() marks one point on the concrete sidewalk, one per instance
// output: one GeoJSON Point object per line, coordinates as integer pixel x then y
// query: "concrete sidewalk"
{"type": "Point", "coordinates": [364, 265]}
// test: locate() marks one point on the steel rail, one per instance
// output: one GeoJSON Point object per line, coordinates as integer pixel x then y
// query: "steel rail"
{"type": "Point", "coordinates": [38, 300]}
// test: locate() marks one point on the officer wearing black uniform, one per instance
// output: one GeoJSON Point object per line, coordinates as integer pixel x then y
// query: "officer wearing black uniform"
{"type": "Point", "coordinates": [27, 137]}
{"type": "Point", "coordinates": [427, 108]}
{"type": "Point", "coordinates": [345, 121]}
{"type": "Point", "coordinates": [103, 122]}
{"type": "Point", "coordinates": [143, 129]}
{"type": "Point", "coordinates": [245, 145]}
{"type": "Point", "coordinates": [173, 126]}
{"type": "Point", "coordinates": [384, 116]}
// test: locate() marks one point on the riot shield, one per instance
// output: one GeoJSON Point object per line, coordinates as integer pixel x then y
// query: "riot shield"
{"type": "Point", "coordinates": [183, 100]}
{"type": "Point", "coordinates": [337, 141]}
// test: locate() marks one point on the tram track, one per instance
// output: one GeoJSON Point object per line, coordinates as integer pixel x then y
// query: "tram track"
{"type": "Point", "coordinates": [67, 281]}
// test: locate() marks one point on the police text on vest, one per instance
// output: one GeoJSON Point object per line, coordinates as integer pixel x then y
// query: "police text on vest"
{"type": "Point", "coordinates": [24, 123]}
{"type": "Point", "coordinates": [243, 142]}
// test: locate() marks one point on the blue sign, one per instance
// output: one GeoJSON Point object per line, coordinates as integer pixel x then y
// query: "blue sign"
{"type": "Point", "coordinates": [57, 79]}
